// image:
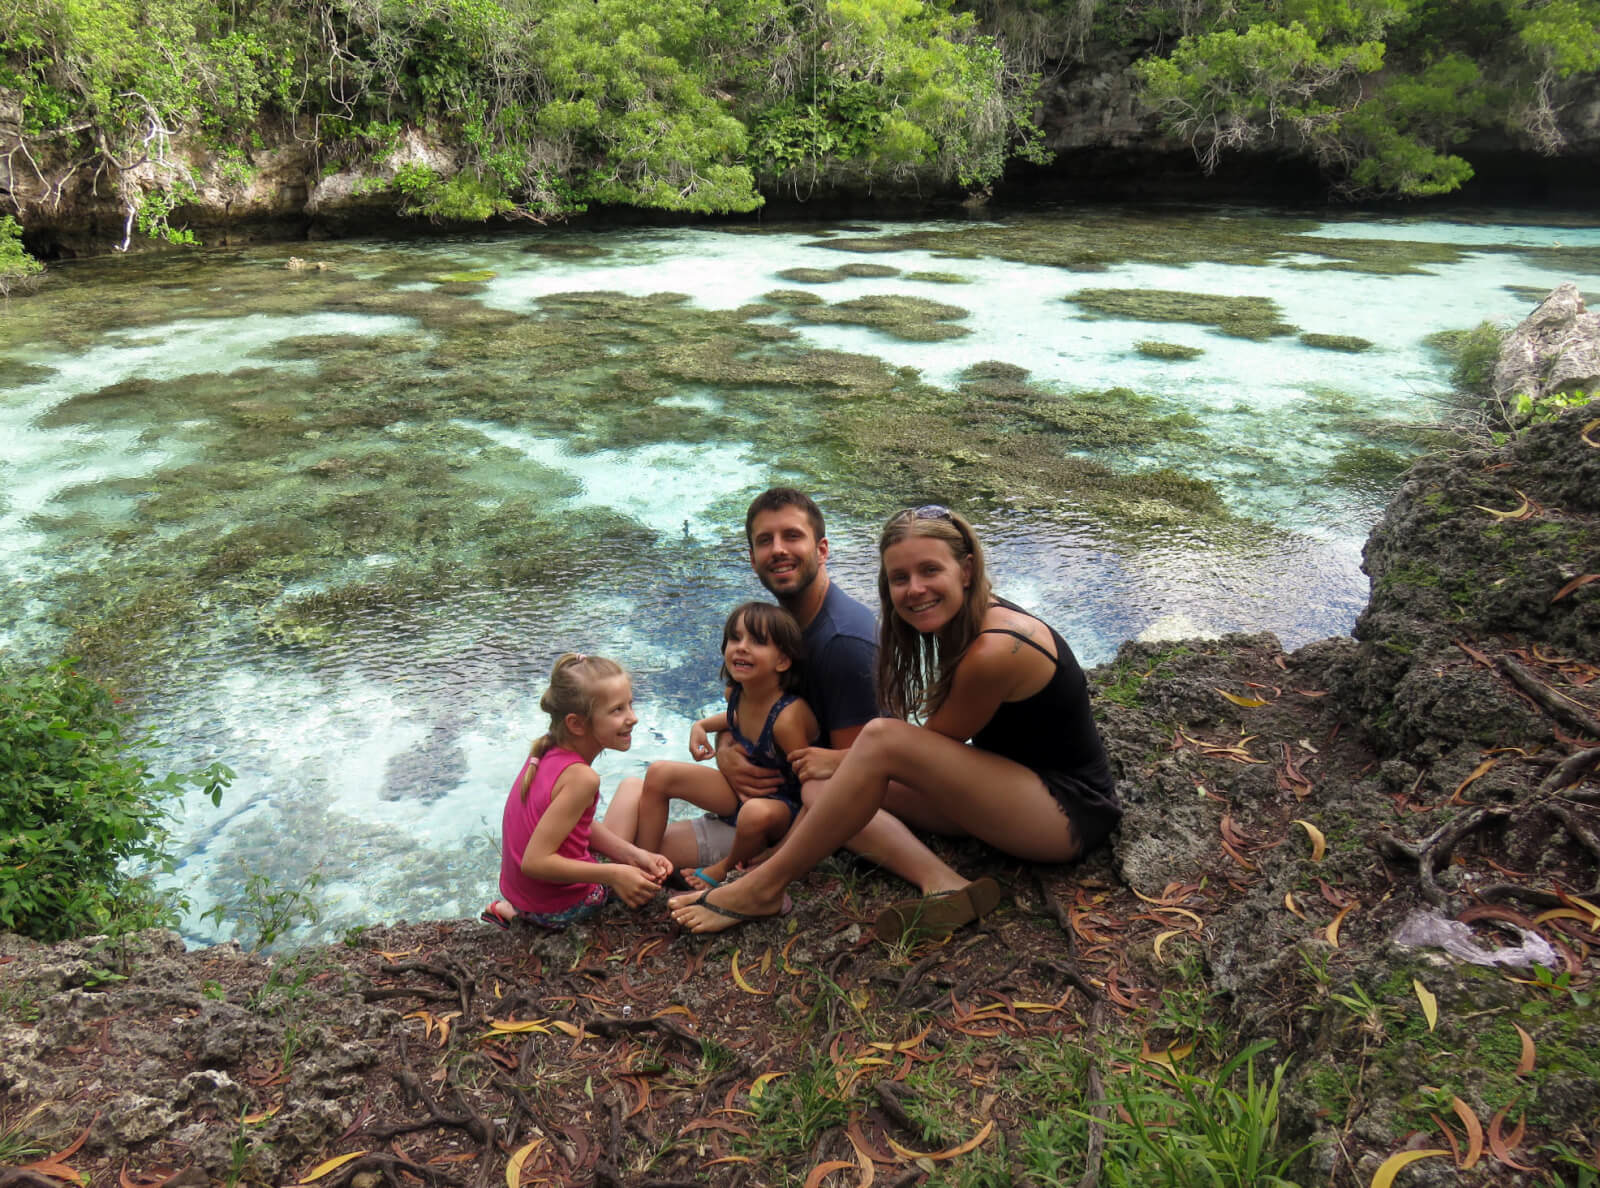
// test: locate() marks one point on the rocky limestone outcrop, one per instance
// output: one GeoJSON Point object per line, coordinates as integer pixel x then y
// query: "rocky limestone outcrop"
{"type": "Point", "coordinates": [1556, 349]}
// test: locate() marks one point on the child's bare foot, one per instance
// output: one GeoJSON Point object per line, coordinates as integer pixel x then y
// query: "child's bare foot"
{"type": "Point", "coordinates": [499, 913]}
{"type": "Point", "coordinates": [701, 878]}
{"type": "Point", "coordinates": [737, 903]}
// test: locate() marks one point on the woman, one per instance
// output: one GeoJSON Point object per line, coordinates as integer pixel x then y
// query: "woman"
{"type": "Point", "coordinates": [1033, 782]}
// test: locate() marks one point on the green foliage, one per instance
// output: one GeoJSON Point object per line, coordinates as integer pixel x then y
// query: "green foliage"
{"type": "Point", "coordinates": [82, 823]}
{"type": "Point", "coordinates": [1529, 410]}
{"type": "Point", "coordinates": [1180, 1130]}
{"type": "Point", "coordinates": [17, 267]}
{"type": "Point", "coordinates": [1304, 75]}
{"type": "Point", "coordinates": [552, 106]}
{"type": "Point", "coordinates": [264, 911]}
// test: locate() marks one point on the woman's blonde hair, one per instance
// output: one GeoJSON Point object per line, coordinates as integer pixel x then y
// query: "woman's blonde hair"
{"type": "Point", "coordinates": [574, 689]}
{"type": "Point", "coordinates": [915, 670]}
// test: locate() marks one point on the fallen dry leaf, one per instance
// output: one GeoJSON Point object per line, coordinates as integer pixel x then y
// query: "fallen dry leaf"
{"type": "Point", "coordinates": [1319, 843]}
{"type": "Point", "coordinates": [1574, 584]}
{"type": "Point", "coordinates": [820, 1172]}
{"type": "Point", "coordinates": [1430, 1003]}
{"type": "Point", "coordinates": [1525, 1064]}
{"type": "Point", "coordinates": [327, 1166]}
{"type": "Point", "coordinates": [1474, 1133]}
{"type": "Point", "coordinates": [1246, 702]}
{"type": "Point", "coordinates": [1390, 1167]}
{"type": "Point", "coordinates": [1332, 931]}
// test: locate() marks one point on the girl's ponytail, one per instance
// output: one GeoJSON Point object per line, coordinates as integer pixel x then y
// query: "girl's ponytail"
{"type": "Point", "coordinates": [574, 686]}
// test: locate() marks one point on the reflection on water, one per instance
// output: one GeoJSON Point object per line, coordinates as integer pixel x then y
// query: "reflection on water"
{"type": "Point", "coordinates": [333, 526]}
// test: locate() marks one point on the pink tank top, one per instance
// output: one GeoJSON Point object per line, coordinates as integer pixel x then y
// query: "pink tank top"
{"type": "Point", "coordinates": [521, 815]}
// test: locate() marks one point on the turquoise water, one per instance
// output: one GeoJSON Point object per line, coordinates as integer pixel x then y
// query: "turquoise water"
{"type": "Point", "coordinates": [332, 525]}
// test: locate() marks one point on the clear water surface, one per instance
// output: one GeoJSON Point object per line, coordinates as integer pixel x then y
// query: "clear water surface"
{"type": "Point", "coordinates": [331, 524]}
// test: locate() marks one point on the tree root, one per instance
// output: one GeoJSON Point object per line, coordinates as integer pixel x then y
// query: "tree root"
{"type": "Point", "coordinates": [1099, 1108]}
{"type": "Point", "coordinates": [1432, 853]}
{"type": "Point", "coordinates": [1571, 714]}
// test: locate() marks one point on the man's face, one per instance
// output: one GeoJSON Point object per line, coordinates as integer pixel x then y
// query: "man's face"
{"type": "Point", "coordinates": [784, 553]}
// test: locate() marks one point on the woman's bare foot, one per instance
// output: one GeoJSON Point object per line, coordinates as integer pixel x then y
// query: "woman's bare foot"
{"type": "Point", "coordinates": [738, 902]}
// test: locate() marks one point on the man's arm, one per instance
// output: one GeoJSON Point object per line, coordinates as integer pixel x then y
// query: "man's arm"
{"type": "Point", "coordinates": [745, 778]}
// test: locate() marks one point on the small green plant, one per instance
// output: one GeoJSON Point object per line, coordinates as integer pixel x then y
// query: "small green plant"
{"type": "Point", "coordinates": [793, 1112]}
{"type": "Point", "coordinates": [1559, 985]}
{"type": "Point", "coordinates": [264, 912]}
{"type": "Point", "coordinates": [214, 991]}
{"type": "Point", "coordinates": [15, 1145]}
{"type": "Point", "coordinates": [17, 268]}
{"type": "Point", "coordinates": [1176, 1129]}
{"type": "Point", "coordinates": [1529, 410]}
{"type": "Point", "coordinates": [1583, 1172]}
{"type": "Point", "coordinates": [82, 823]}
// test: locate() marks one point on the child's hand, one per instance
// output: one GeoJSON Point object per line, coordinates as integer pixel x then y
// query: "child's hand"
{"type": "Point", "coordinates": [655, 865]}
{"type": "Point", "coordinates": [700, 743]}
{"type": "Point", "coordinates": [632, 885]}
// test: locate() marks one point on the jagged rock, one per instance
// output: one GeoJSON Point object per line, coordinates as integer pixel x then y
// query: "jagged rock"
{"type": "Point", "coordinates": [1475, 546]}
{"type": "Point", "coordinates": [1555, 349]}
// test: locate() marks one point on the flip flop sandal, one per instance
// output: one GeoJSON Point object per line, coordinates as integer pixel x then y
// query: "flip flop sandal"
{"type": "Point", "coordinates": [744, 918]}
{"type": "Point", "coordinates": [939, 914]}
{"type": "Point", "coordinates": [707, 883]}
{"type": "Point", "coordinates": [490, 916]}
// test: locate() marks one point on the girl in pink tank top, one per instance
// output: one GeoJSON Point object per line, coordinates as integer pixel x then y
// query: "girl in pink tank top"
{"type": "Point", "coordinates": [548, 872]}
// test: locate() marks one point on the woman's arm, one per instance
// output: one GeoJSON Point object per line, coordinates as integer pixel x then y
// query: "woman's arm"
{"type": "Point", "coordinates": [984, 678]}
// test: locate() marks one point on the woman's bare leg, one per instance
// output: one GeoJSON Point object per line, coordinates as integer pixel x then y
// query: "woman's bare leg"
{"type": "Point", "coordinates": [980, 793]}
{"type": "Point", "coordinates": [886, 841]}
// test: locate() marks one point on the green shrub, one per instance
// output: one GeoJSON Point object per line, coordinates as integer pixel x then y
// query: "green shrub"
{"type": "Point", "coordinates": [17, 267]}
{"type": "Point", "coordinates": [82, 822]}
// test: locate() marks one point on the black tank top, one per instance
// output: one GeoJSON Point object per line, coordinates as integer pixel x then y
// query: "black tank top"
{"type": "Point", "coordinates": [1052, 732]}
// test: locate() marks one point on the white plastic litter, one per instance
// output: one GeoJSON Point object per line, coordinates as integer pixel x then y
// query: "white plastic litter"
{"type": "Point", "coordinates": [1429, 928]}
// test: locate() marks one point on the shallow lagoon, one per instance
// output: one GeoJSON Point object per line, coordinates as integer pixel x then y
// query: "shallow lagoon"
{"type": "Point", "coordinates": [332, 525]}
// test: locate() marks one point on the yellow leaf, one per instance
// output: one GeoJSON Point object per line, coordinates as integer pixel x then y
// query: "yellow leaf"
{"type": "Point", "coordinates": [1319, 843]}
{"type": "Point", "coordinates": [252, 1119]}
{"type": "Point", "coordinates": [518, 1026]}
{"type": "Point", "coordinates": [1515, 513]}
{"type": "Point", "coordinates": [1332, 931]}
{"type": "Point", "coordinates": [867, 1060]}
{"type": "Point", "coordinates": [675, 1009]}
{"type": "Point", "coordinates": [759, 1085]}
{"type": "Point", "coordinates": [1586, 906]}
{"type": "Point", "coordinates": [738, 978]}
{"type": "Point", "coordinates": [323, 1169]}
{"type": "Point", "coordinates": [822, 1170]}
{"type": "Point", "coordinates": [518, 1158]}
{"type": "Point", "coordinates": [1384, 1176]}
{"type": "Point", "coordinates": [1246, 702]}
{"type": "Point", "coordinates": [1288, 902]}
{"type": "Point", "coordinates": [1040, 1008]}
{"type": "Point", "coordinates": [1588, 429]}
{"type": "Point", "coordinates": [1162, 939]}
{"type": "Point", "coordinates": [566, 1028]}
{"type": "Point", "coordinates": [972, 1144]}
{"type": "Point", "coordinates": [1430, 1004]}
{"type": "Point", "coordinates": [728, 1159]}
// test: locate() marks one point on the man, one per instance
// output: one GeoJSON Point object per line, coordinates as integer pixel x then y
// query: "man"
{"type": "Point", "coordinates": [788, 547]}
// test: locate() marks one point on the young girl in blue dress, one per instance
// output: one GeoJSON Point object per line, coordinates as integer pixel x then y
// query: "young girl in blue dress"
{"type": "Point", "coordinates": [548, 873]}
{"type": "Point", "coordinates": [762, 656]}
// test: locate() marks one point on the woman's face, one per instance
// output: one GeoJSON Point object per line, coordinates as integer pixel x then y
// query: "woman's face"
{"type": "Point", "coordinates": [927, 585]}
